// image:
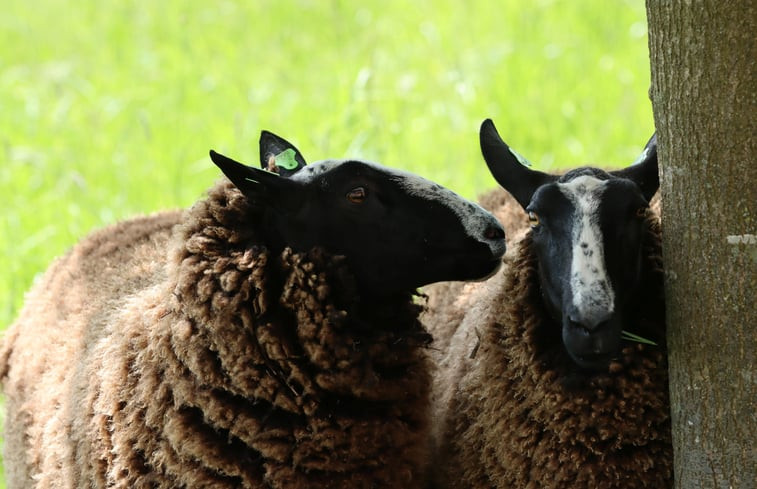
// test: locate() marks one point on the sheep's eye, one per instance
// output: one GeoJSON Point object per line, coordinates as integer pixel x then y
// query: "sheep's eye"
{"type": "Point", "coordinates": [357, 195]}
{"type": "Point", "coordinates": [533, 219]}
{"type": "Point", "coordinates": [641, 212]}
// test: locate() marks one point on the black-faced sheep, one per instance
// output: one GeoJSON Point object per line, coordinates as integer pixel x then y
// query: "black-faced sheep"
{"type": "Point", "coordinates": [266, 338]}
{"type": "Point", "coordinates": [535, 387]}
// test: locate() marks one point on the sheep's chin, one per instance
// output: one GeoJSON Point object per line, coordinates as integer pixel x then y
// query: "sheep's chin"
{"type": "Point", "coordinates": [592, 350]}
{"type": "Point", "coordinates": [497, 267]}
{"type": "Point", "coordinates": [594, 363]}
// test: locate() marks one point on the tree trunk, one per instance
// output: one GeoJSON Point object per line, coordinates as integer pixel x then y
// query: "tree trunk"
{"type": "Point", "coordinates": [704, 90]}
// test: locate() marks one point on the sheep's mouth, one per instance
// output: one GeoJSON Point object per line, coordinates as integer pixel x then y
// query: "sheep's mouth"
{"type": "Point", "coordinates": [494, 265]}
{"type": "Point", "coordinates": [592, 350]}
{"type": "Point", "coordinates": [593, 361]}
{"type": "Point", "coordinates": [472, 262]}
{"type": "Point", "coordinates": [473, 268]}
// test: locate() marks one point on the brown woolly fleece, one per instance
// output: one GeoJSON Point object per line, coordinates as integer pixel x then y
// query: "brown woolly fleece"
{"type": "Point", "coordinates": [448, 302]}
{"type": "Point", "coordinates": [173, 352]}
{"type": "Point", "coordinates": [511, 411]}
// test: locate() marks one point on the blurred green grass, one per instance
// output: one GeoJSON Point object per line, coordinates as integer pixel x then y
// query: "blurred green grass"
{"type": "Point", "coordinates": [108, 109]}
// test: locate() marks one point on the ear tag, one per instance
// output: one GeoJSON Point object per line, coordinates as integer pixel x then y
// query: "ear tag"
{"type": "Point", "coordinates": [286, 160]}
{"type": "Point", "coordinates": [518, 157]}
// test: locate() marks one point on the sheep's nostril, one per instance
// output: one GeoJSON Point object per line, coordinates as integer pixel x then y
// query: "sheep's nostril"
{"type": "Point", "coordinates": [493, 232]}
{"type": "Point", "coordinates": [579, 327]}
{"type": "Point", "coordinates": [587, 326]}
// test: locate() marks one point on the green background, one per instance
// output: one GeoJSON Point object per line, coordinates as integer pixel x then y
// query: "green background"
{"type": "Point", "coordinates": [108, 109]}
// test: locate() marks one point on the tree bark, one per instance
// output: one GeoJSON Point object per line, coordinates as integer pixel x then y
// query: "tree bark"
{"type": "Point", "coordinates": [703, 56]}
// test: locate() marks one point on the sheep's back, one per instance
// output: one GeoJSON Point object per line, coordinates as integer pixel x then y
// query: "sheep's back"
{"type": "Point", "coordinates": [46, 352]}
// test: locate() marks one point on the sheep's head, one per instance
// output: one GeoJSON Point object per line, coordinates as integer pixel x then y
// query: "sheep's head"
{"type": "Point", "coordinates": [587, 228]}
{"type": "Point", "coordinates": [398, 231]}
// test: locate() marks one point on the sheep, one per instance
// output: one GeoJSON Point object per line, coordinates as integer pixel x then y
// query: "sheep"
{"type": "Point", "coordinates": [534, 387]}
{"type": "Point", "coordinates": [268, 337]}
{"type": "Point", "coordinates": [447, 301]}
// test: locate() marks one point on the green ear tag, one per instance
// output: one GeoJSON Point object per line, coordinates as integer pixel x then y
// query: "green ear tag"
{"type": "Point", "coordinates": [286, 160]}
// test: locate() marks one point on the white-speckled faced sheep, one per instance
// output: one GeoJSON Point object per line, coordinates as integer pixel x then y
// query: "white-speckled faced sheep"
{"type": "Point", "coordinates": [266, 338]}
{"type": "Point", "coordinates": [536, 387]}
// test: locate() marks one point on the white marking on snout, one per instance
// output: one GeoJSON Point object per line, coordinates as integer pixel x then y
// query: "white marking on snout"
{"type": "Point", "coordinates": [474, 218]}
{"type": "Point", "coordinates": [591, 290]}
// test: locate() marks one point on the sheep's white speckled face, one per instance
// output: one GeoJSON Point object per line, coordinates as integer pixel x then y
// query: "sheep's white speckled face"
{"type": "Point", "coordinates": [587, 237]}
{"type": "Point", "coordinates": [591, 290]}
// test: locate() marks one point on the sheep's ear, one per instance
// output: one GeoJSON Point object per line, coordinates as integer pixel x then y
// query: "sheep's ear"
{"type": "Point", "coordinates": [279, 155]}
{"type": "Point", "coordinates": [257, 185]}
{"type": "Point", "coordinates": [508, 167]}
{"type": "Point", "coordinates": [643, 171]}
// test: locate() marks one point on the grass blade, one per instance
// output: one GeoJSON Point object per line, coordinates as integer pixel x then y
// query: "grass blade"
{"type": "Point", "coordinates": [628, 336]}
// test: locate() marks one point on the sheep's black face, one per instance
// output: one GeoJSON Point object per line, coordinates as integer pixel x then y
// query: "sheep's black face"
{"type": "Point", "coordinates": [587, 229]}
{"type": "Point", "coordinates": [397, 231]}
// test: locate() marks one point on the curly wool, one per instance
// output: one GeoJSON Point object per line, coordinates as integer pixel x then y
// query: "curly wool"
{"type": "Point", "coordinates": [511, 411]}
{"type": "Point", "coordinates": [448, 302]}
{"type": "Point", "coordinates": [234, 368]}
